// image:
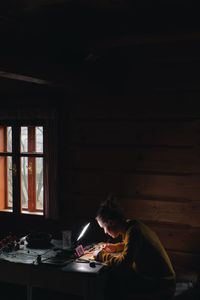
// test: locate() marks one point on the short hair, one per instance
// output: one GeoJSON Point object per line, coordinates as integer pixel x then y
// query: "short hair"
{"type": "Point", "coordinates": [110, 211]}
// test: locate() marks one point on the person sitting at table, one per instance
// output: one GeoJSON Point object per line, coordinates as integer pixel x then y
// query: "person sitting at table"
{"type": "Point", "coordinates": [139, 262]}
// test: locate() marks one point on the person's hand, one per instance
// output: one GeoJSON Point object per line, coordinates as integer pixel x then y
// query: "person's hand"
{"type": "Point", "coordinates": [96, 252]}
{"type": "Point", "coordinates": [109, 247]}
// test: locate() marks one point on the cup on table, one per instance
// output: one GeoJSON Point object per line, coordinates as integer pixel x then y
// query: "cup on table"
{"type": "Point", "coordinates": [66, 239]}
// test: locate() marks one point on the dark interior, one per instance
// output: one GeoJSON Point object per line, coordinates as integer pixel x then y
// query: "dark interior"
{"type": "Point", "coordinates": [123, 78]}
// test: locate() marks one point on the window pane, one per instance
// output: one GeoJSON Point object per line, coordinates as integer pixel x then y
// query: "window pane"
{"type": "Point", "coordinates": [39, 184]}
{"type": "Point", "coordinates": [9, 139]}
{"type": "Point", "coordinates": [6, 194]}
{"type": "Point", "coordinates": [32, 189]}
{"type": "Point", "coordinates": [39, 139]}
{"type": "Point", "coordinates": [24, 182]}
{"type": "Point", "coordinates": [32, 139]}
{"type": "Point", "coordinates": [24, 139]}
{"type": "Point", "coordinates": [2, 139]}
{"type": "Point", "coordinates": [9, 182]}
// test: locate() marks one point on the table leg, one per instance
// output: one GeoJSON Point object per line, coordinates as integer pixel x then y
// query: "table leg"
{"type": "Point", "coordinates": [29, 292]}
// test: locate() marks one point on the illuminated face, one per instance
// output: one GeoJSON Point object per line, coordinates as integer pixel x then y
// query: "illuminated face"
{"type": "Point", "coordinates": [108, 229]}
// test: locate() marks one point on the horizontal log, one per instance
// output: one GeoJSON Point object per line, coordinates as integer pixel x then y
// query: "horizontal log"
{"type": "Point", "coordinates": [185, 260]}
{"type": "Point", "coordinates": [133, 185]}
{"type": "Point", "coordinates": [164, 211]}
{"type": "Point", "coordinates": [126, 132]}
{"type": "Point", "coordinates": [173, 73]}
{"type": "Point", "coordinates": [181, 45]}
{"type": "Point", "coordinates": [178, 239]}
{"type": "Point", "coordinates": [145, 159]}
{"type": "Point", "coordinates": [142, 106]}
{"type": "Point", "coordinates": [169, 212]}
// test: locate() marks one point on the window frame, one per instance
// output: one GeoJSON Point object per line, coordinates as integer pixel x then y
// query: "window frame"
{"type": "Point", "coordinates": [49, 166]}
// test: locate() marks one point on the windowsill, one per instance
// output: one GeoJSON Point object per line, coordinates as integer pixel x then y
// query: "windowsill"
{"type": "Point", "coordinates": [8, 210]}
{"type": "Point", "coordinates": [38, 213]}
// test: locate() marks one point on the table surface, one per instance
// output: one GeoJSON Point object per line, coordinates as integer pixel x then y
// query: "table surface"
{"type": "Point", "coordinates": [73, 277]}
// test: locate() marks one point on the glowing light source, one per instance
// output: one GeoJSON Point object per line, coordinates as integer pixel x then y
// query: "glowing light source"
{"type": "Point", "coordinates": [83, 231]}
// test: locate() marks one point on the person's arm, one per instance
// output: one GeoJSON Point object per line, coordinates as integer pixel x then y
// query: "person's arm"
{"type": "Point", "coordinates": [131, 244]}
{"type": "Point", "coordinates": [118, 247]}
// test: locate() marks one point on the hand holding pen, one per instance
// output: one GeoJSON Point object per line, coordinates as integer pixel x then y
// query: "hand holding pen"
{"type": "Point", "coordinates": [108, 247]}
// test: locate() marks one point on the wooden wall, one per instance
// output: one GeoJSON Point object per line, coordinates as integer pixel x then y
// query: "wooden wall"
{"type": "Point", "coordinates": [138, 136]}
{"type": "Point", "coordinates": [131, 125]}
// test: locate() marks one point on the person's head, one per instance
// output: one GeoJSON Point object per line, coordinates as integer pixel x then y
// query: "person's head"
{"type": "Point", "coordinates": [110, 217]}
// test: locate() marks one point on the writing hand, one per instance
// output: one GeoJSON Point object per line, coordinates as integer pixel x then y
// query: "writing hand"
{"type": "Point", "coordinates": [109, 247]}
{"type": "Point", "coordinates": [96, 252]}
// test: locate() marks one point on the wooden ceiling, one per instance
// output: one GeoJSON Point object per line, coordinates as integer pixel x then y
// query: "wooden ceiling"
{"type": "Point", "coordinates": [51, 39]}
{"type": "Point", "coordinates": [57, 27]}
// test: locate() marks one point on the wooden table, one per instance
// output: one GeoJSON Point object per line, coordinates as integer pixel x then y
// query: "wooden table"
{"type": "Point", "coordinates": [75, 278]}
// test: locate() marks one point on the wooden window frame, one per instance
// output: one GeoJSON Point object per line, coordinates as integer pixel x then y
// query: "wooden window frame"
{"type": "Point", "coordinates": [47, 119]}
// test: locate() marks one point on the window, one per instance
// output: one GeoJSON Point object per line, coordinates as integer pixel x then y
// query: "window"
{"type": "Point", "coordinates": [27, 168]}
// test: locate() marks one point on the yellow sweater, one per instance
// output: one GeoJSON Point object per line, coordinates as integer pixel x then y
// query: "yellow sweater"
{"type": "Point", "coordinates": [142, 252]}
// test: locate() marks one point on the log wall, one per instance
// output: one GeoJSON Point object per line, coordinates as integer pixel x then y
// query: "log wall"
{"type": "Point", "coordinates": [140, 142]}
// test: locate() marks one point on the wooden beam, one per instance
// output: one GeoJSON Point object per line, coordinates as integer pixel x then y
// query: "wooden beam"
{"type": "Point", "coordinates": [24, 78]}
